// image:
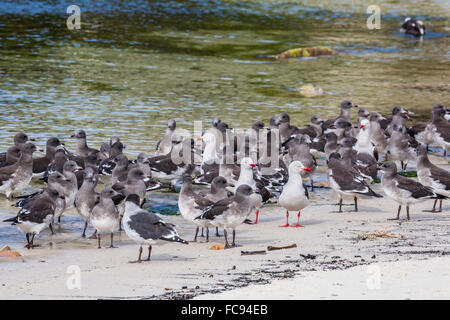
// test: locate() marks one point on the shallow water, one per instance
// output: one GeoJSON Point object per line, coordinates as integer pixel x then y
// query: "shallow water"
{"type": "Point", "coordinates": [134, 64]}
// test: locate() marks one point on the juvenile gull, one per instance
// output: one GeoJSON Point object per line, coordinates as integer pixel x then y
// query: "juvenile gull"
{"type": "Point", "coordinates": [36, 215]}
{"type": "Point", "coordinates": [432, 176]}
{"type": "Point", "coordinates": [82, 149]}
{"type": "Point", "coordinates": [40, 164]}
{"type": "Point", "coordinates": [441, 127]}
{"type": "Point", "coordinates": [401, 146]}
{"type": "Point", "coordinates": [146, 228]}
{"type": "Point", "coordinates": [17, 176]}
{"type": "Point", "coordinates": [71, 184]}
{"type": "Point", "coordinates": [104, 216]}
{"type": "Point", "coordinates": [192, 205]}
{"type": "Point", "coordinates": [165, 145]}
{"type": "Point", "coordinates": [347, 181]}
{"type": "Point", "coordinates": [377, 134]}
{"type": "Point", "coordinates": [344, 114]}
{"type": "Point", "coordinates": [86, 197]}
{"type": "Point", "coordinates": [404, 191]}
{"type": "Point", "coordinates": [57, 164]}
{"type": "Point", "coordinates": [230, 212]}
{"type": "Point", "coordinates": [12, 156]}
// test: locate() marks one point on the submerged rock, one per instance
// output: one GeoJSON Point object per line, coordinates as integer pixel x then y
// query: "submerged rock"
{"type": "Point", "coordinates": [310, 90]}
{"type": "Point", "coordinates": [306, 52]}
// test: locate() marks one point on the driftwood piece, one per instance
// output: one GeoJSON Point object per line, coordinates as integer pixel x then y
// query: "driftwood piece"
{"type": "Point", "coordinates": [272, 248]}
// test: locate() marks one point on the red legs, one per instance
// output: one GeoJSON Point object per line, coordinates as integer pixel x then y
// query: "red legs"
{"type": "Point", "coordinates": [140, 255]}
{"type": "Point", "coordinates": [407, 212]}
{"type": "Point", "coordinates": [356, 203]}
{"type": "Point", "coordinates": [202, 235]}
{"type": "Point", "coordinates": [440, 206]}
{"type": "Point", "coordinates": [207, 234]}
{"type": "Point", "coordinates": [340, 205]}
{"type": "Point", "coordinates": [94, 235]}
{"type": "Point", "coordinates": [112, 246]}
{"type": "Point", "coordinates": [257, 213]}
{"type": "Point", "coordinates": [98, 237]}
{"type": "Point", "coordinates": [398, 213]}
{"type": "Point", "coordinates": [298, 225]}
{"type": "Point", "coordinates": [287, 220]}
{"type": "Point", "coordinates": [217, 232]}
{"type": "Point", "coordinates": [149, 252]}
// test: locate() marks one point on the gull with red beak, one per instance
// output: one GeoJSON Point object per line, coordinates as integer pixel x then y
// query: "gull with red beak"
{"type": "Point", "coordinates": [209, 168]}
{"type": "Point", "coordinates": [294, 196]}
{"type": "Point", "coordinates": [246, 176]}
{"type": "Point", "coordinates": [363, 144]}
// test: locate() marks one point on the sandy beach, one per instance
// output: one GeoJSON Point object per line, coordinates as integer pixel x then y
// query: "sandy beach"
{"type": "Point", "coordinates": [334, 259]}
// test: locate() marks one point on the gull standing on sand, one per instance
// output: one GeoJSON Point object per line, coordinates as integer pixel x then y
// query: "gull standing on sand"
{"type": "Point", "coordinates": [192, 205]}
{"type": "Point", "coordinates": [146, 228]}
{"type": "Point", "coordinates": [294, 196]}
{"type": "Point", "coordinates": [86, 197]}
{"type": "Point", "coordinates": [432, 176]}
{"type": "Point", "coordinates": [404, 191]}
{"type": "Point", "coordinates": [377, 135]}
{"type": "Point", "coordinates": [105, 216]}
{"type": "Point", "coordinates": [71, 185]}
{"type": "Point", "coordinates": [261, 194]}
{"type": "Point", "coordinates": [401, 146]}
{"type": "Point", "coordinates": [441, 127]}
{"type": "Point", "coordinates": [230, 212]}
{"type": "Point", "coordinates": [36, 215]}
{"type": "Point", "coordinates": [347, 181]}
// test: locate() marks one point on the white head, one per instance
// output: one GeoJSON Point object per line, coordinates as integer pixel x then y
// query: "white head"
{"type": "Point", "coordinates": [364, 124]}
{"type": "Point", "coordinates": [207, 138]}
{"type": "Point", "coordinates": [247, 163]}
{"type": "Point", "coordinates": [296, 167]}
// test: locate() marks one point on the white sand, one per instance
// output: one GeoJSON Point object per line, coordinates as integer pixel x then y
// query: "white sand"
{"type": "Point", "coordinates": [410, 279]}
{"type": "Point", "coordinates": [338, 271]}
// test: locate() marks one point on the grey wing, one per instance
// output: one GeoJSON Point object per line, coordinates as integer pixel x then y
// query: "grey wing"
{"type": "Point", "coordinates": [216, 209]}
{"type": "Point", "coordinates": [150, 226]}
{"type": "Point", "coordinates": [441, 175]}
{"type": "Point", "coordinates": [417, 189]}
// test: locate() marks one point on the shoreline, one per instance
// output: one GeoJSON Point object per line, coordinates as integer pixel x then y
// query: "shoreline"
{"type": "Point", "coordinates": [330, 242]}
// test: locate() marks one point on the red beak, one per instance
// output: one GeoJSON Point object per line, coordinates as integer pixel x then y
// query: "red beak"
{"type": "Point", "coordinates": [200, 138]}
{"type": "Point", "coordinates": [306, 169]}
{"type": "Point", "coordinates": [252, 165]}
{"type": "Point", "coordinates": [362, 126]}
